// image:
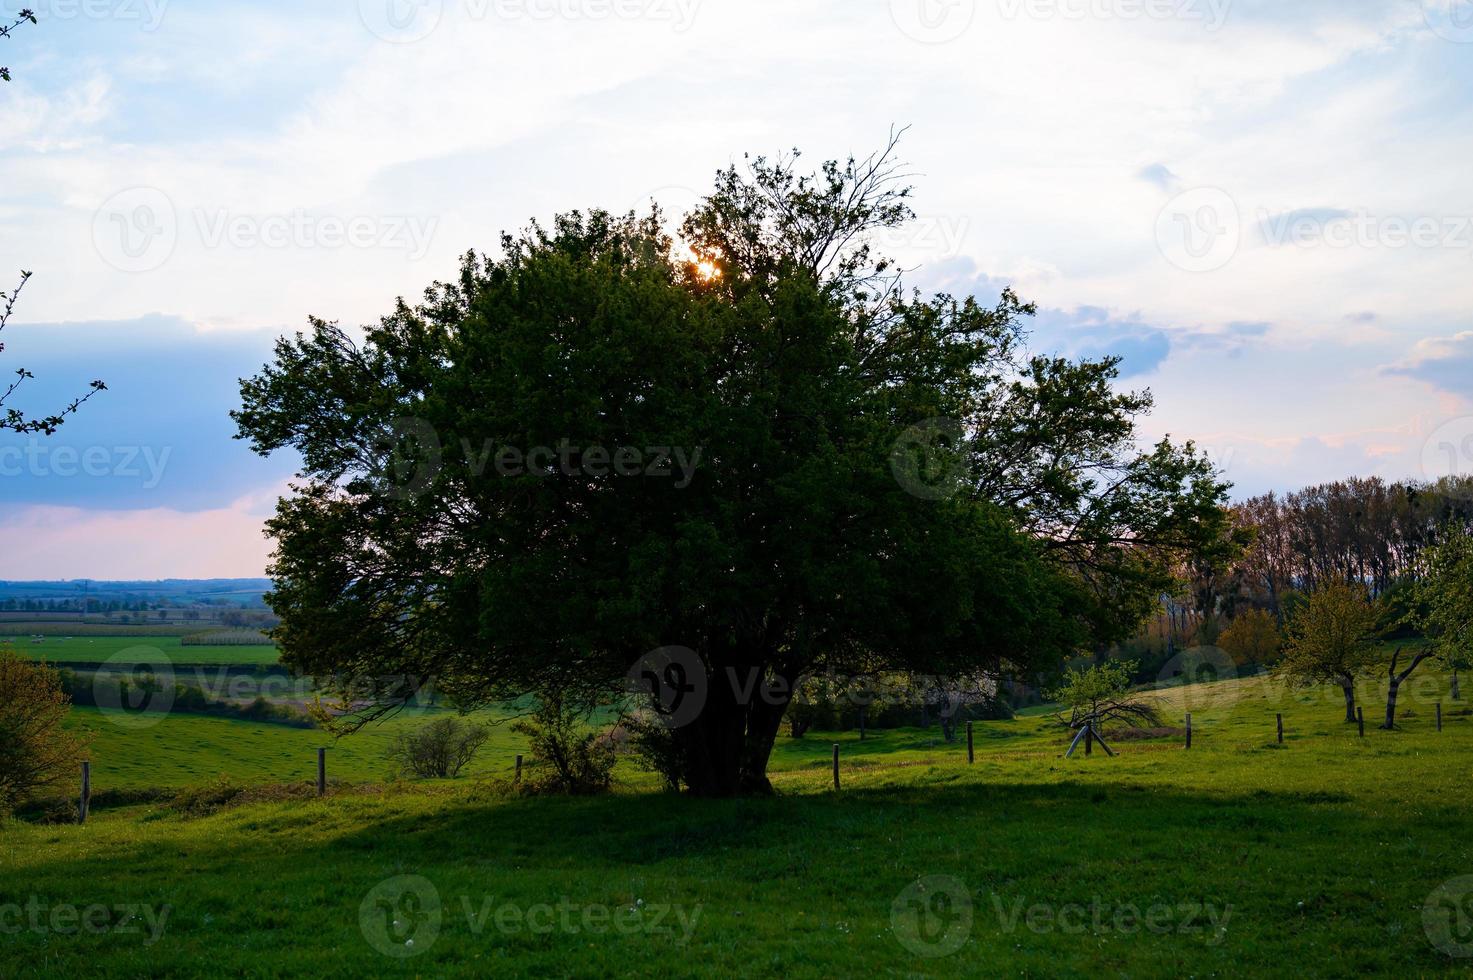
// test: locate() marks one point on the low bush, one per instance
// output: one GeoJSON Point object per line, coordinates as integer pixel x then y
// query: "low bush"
{"type": "Point", "coordinates": [439, 750]}
{"type": "Point", "coordinates": [567, 756]}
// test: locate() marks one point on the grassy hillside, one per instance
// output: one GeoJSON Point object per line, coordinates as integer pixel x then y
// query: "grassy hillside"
{"type": "Point", "coordinates": [183, 749]}
{"type": "Point", "coordinates": [1239, 857]}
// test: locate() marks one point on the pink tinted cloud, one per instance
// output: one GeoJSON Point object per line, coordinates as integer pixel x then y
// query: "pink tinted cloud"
{"type": "Point", "coordinates": [44, 542]}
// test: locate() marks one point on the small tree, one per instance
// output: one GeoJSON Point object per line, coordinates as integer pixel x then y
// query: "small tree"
{"type": "Point", "coordinates": [1253, 638]}
{"type": "Point", "coordinates": [439, 750]}
{"type": "Point", "coordinates": [1101, 693]}
{"type": "Point", "coordinates": [35, 750]}
{"type": "Point", "coordinates": [1332, 639]}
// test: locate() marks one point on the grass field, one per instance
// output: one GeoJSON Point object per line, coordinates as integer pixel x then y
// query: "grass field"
{"type": "Point", "coordinates": [97, 649]}
{"type": "Point", "coordinates": [1239, 857]}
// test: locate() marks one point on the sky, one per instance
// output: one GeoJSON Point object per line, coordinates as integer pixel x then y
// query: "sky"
{"type": "Point", "coordinates": [1264, 207]}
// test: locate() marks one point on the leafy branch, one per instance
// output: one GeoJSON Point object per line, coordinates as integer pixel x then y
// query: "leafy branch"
{"type": "Point", "coordinates": [14, 420]}
{"type": "Point", "coordinates": [26, 15]}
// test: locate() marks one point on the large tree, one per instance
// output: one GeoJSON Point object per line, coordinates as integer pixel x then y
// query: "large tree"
{"type": "Point", "coordinates": [870, 479]}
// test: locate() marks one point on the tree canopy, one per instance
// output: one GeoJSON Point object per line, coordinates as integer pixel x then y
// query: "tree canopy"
{"type": "Point", "coordinates": [751, 443]}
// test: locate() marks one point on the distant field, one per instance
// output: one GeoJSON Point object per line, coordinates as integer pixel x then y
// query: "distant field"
{"type": "Point", "coordinates": [63, 649]}
{"type": "Point", "coordinates": [54, 628]}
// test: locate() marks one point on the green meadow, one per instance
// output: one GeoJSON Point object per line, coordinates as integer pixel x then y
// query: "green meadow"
{"type": "Point", "coordinates": [1317, 857]}
{"type": "Point", "coordinates": [62, 650]}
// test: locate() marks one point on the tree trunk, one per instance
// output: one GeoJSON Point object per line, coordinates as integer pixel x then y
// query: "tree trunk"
{"type": "Point", "coordinates": [1349, 689]}
{"type": "Point", "coordinates": [1396, 682]}
{"type": "Point", "coordinates": [1456, 695]}
{"type": "Point", "coordinates": [1391, 705]}
{"type": "Point", "coordinates": [728, 745]}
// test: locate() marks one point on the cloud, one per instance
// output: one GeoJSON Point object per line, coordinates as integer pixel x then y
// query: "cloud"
{"type": "Point", "coordinates": [159, 437]}
{"type": "Point", "coordinates": [1159, 175]}
{"type": "Point", "coordinates": [1446, 363]}
{"type": "Point", "coordinates": [45, 542]}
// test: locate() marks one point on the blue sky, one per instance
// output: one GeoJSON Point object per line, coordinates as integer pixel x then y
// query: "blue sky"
{"type": "Point", "coordinates": [1263, 206]}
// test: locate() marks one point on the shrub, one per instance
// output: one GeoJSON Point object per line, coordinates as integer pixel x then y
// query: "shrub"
{"type": "Point", "coordinates": [439, 750]}
{"type": "Point", "coordinates": [656, 749]}
{"type": "Point", "coordinates": [35, 751]}
{"type": "Point", "coordinates": [567, 756]}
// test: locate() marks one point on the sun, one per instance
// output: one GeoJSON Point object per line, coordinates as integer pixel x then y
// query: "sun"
{"type": "Point", "coordinates": [705, 266]}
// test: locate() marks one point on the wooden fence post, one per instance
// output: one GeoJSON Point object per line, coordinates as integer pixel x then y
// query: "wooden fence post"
{"type": "Point", "coordinates": [518, 777]}
{"type": "Point", "coordinates": [836, 766]}
{"type": "Point", "coordinates": [1360, 718]}
{"type": "Point", "coordinates": [322, 772]}
{"type": "Point", "coordinates": [1439, 716]}
{"type": "Point", "coordinates": [1281, 729]}
{"type": "Point", "coordinates": [84, 803]}
{"type": "Point", "coordinates": [1189, 729]}
{"type": "Point", "coordinates": [971, 755]}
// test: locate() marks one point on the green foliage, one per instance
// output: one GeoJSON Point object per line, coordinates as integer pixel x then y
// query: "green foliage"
{"type": "Point", "coordinates": [35, 749]}
{"type": "Point", "coordinates": [1333, 637]}
{"type": "Point", "coordinates": [1253, 637]}
{"type": "Point", "coordinates": [567, 755]}
{"type": "Point", "coordinates": [657, 749]}
{"type": "Point", "coordinates": [1444, 596]}
{"type": "Point", "coordinates": [1101, 693]}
